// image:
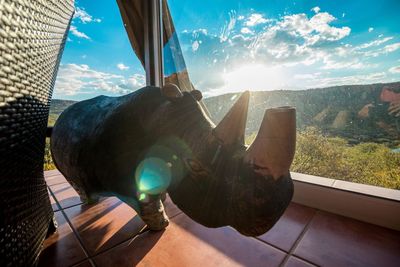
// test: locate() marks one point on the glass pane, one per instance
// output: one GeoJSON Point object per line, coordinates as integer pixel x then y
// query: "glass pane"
{"type": "Point", "coordinates": [337, 62]}
{"type": "Point", "coordinates": [98, 60]}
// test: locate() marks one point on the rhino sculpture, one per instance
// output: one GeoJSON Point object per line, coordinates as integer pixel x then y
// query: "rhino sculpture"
{"type": "Point", "coordinates": [152, 141]}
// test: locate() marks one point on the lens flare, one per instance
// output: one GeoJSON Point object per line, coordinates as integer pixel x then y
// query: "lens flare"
{"type": "Point", "coordinates": [153, 176]}
{"type": "Point", "coordinates": [142, 197]}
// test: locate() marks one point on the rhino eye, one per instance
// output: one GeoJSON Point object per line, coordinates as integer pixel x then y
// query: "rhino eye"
{"type": "Point", "coordinates": [198, 171]}
{"type": "Point", "coordinates": [194, 165]}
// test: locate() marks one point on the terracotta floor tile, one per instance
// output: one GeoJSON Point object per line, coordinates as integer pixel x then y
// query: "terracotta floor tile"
{"type": "Point", "coordinates": [170, 208]}
{"type": "Point", "coordinates": [65, 195]}
{"type": "Point", "coordinates": [51, 173]}
{"type": "Point", "coordinates": [53, 203]}
{"type": "Point", "coordinates": [186, 243]}
{"type": "Point", "coordinates": [296, 262]}
{"type": "Point", "coordinates": [62, 248]}
{"type": "Point", "coordinates": [55, 179]}
{"type": "Point", "coordinates": [289, 227]}
{"type": "Point", "coordinates": [104, 225]}
{"type": "Point", "coordinates": [333, 240]}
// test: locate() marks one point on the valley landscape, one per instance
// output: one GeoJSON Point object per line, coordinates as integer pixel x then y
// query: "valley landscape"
{"type": "Point", "coordinates": [344, 132]}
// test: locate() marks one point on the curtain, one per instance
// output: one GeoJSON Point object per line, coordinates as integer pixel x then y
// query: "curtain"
{"type": "Point", "coordinates": [174, 64]}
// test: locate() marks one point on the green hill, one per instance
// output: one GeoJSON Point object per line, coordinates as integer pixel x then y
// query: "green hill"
{"type": "Point", "coordinates": [354, 112]}
{"type": "Point", "coordinates": [57, 106]}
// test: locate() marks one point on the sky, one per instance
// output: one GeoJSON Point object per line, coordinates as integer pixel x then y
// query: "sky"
{"type": "Point", "coordinates": [237, 45]}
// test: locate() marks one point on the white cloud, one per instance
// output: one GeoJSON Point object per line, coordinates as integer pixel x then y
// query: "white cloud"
{"type": "Point", "coordinates": [77, 33]}
{"type": "Point", "coordinates": [370, 29]}
{"type": "Point", "coordinates": [228, 27]}
{"type": "Point", "coordinates": [320, 23]}
{"type": "Point", "coordinates": [197, 32]}
{"type": "Point", "coordinates": [134, 82]}
{"type": "Point", "coordinates": [352, 64]}
{"type": "Point", "coordinates": [395, 69]}
{"type": "Point", "coordinates": [385, 50]}
{"type": "Point", "coordinates": [121, 66]}
{"type": "Point", "coordinates": [313, 30]}
{"type": "Point", "coordinates": [75, 79]}
{"type": "Point", "coordinates": [290, 40]}
{"type": "Point", "coordinates": [84, 17]}
{"type": "Point", "coordinates": [296, 41]}
{"type": "Point", "coordinates": [299, 39]}
{"type": "Point", "coordinates": [246, 30]}
{"type": "Point", "coordinates": [316, 9]}
{"type": "Point", "coordinates": [391, 48]}
{"type": "Point", "coordinates": [314, 81]}
{"type": "Point", "coordinates": [376, 42]}
{"type": "Point", "coordinates": [307, 76]}
{"type": "Point", "coordinates": [241, 18]}
{"type": "Point", "coordinates": [195, 46]}
{"type": "Point", "coordinates": [255, 19]}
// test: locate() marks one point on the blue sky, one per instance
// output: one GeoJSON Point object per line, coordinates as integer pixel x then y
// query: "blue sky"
{"type": "Point", "coordinates": [232, 46]}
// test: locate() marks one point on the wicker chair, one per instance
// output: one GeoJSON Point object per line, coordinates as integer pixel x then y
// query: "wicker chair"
{"type": "Point", "coordinates": [32, 38]}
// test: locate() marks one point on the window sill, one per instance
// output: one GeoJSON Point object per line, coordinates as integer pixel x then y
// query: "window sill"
{"type": "Point", "coordinates": [366, 203]}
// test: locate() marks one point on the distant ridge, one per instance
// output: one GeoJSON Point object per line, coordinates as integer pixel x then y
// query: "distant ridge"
{"type": "Point", "coordinates": [58, 105]}
{"type": "Point", "coordinates": [358, 113]}
{"type": "Point", "coordinates": [355, 112]}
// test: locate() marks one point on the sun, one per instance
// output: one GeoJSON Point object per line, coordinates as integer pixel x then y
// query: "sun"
{"type": "Point", "coordinates": [254, 77]}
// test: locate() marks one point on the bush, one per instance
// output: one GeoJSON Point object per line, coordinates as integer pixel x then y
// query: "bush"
{"type": "Point", "coordinates": [48, 160]}
{"type": "Point", "coordinates": [333, 157]}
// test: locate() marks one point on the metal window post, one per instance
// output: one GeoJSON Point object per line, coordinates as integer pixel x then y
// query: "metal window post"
{"type": "Point", "coordinates": [153, 43]}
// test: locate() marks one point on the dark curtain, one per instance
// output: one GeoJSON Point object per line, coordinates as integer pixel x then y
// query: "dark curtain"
{"type": "Point", "coordinates": [175, 70]}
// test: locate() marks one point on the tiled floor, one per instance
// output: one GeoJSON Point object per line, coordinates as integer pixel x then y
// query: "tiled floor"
{"type": "Point", "coordinates": [110, 233]}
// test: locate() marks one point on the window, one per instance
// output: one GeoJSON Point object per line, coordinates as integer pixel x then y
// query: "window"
{"type": "Point", "coordinates": [338, 63]}
{"type": "Point", "coordinates": [98, 60]}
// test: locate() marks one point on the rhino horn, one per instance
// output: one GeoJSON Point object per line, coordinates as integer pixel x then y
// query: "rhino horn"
{"type": "Point", "coordinates": [171, 91]}
{"type": "Point", "coordinates": [273, 149]}
{"type": "Point", "coordinates": [232, 127]}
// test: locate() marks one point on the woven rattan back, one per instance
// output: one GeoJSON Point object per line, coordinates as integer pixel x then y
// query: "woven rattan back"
{"type": "Point", "coordinates": [32, 37]}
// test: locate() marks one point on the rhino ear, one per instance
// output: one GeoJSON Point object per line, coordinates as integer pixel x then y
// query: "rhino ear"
{"type": "Point", "coordinates": [232, 127]}
{"type": "Point", "coordinates": [197, 95]}
{"type": "Point", "coordinates": [171, 91]}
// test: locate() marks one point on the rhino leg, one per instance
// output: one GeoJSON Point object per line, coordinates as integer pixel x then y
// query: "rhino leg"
{"type": "Point", "coordinates": [153, 214]}
{"type": "Point", "coordinates": [53, 225]}
{"type": "Point", "coordinates": [163, 197]}
{"type": "Point", "coordinates": [85, 196]}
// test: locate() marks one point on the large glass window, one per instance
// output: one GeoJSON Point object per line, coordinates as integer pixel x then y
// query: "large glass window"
{"type": "Point", "coordinates": [337, 62]}
{"type": "Point", "coordinates": [98, 60]}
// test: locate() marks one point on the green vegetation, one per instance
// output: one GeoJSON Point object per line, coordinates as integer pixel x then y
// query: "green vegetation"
{"type": "Point", "coordinates": [52, 119]}
{"type": "Point", "coordinates": [332, 157]}
{"type": "Point", "coordinates": [366, 163]}
{"type": "Point", "coordinates": [56, 108]}
{"type": "Point", "coordinates": [48, 160]}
